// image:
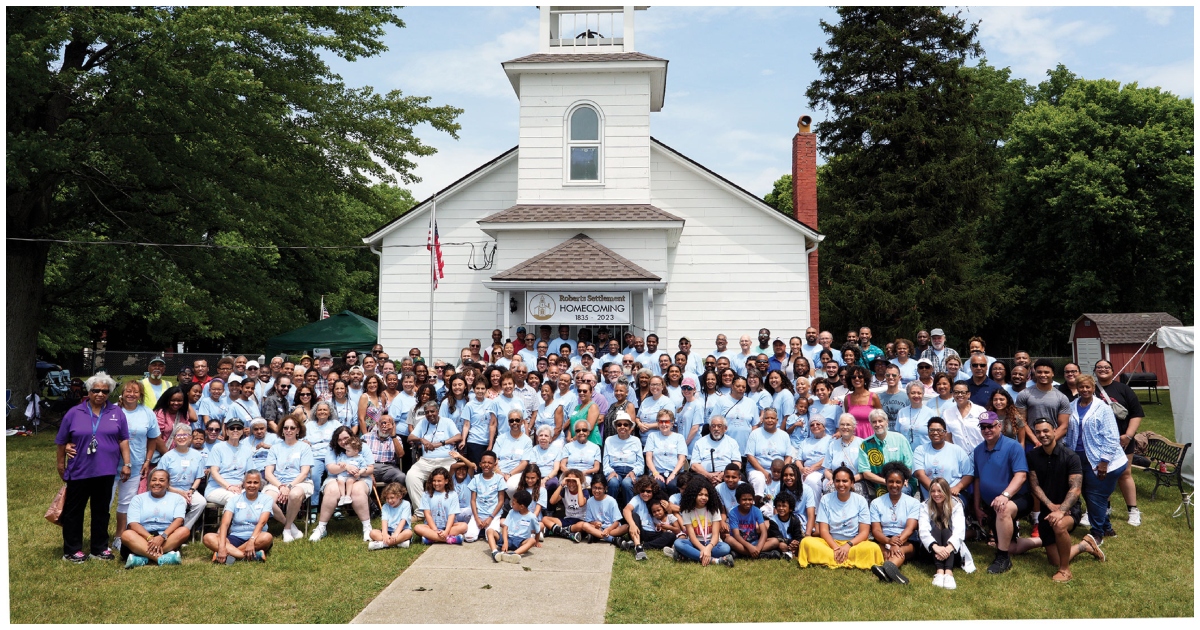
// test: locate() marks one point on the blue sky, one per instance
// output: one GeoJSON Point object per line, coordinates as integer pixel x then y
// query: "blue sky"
{"type": "Point", "coordinates": [737, 76]}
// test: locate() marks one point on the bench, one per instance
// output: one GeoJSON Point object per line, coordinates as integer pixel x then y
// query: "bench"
{"type": "Point", "coordinates": [1166, 464]}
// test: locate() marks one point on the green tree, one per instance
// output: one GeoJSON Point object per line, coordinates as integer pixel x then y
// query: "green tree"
{"type": "Point", "coordinates": [911, 168]}
{"type": "Point", "coordinates": [193, 125]}
{"type": "Point", "coordinates": [1098, 203]}
{"type": "Point", "coordinates": [781, 197]}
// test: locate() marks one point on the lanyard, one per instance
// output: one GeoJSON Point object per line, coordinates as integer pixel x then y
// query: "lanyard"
{"type": "Point", "coordinates": [95, 421]}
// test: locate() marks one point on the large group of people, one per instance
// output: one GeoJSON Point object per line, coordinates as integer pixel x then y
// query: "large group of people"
{"type": "Point", "coordinates": [854, 456]}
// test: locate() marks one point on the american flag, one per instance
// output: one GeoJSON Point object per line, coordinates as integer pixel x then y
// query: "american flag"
{"type": "Point", "coordinates": [434, 244]}
{"type": "Point", "coordinates": [324, 311]}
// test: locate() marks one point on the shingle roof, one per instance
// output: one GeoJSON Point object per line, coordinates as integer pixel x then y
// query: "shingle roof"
{"type": "Point", "coordinates": [573, 57]}
{"type": "Point", "coordinates": [528, 213]}
{"type": "Point", "coordinates": [579, 258]}
{"type": "Point", "coordinates": [1130, 327]}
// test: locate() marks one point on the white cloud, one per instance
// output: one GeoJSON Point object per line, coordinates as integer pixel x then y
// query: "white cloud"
{"type": "Point", "coordinates": [1159, 15]}
{"type": "Point", "coordinates": [1033, 37]}
{"type": "Point", "coordinates": [1177, 78]}
{"type": "Point", "coordinates": [766, 72]}
{"type": "Point", "coordinates": [473, 70]}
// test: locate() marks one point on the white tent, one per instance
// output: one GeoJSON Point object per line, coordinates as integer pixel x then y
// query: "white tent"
{"type": "Point", "coordinates": [1178, 344]}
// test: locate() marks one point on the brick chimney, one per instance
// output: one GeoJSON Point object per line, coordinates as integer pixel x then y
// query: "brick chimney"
{"type": "Point", "coordinates": [804, 200]}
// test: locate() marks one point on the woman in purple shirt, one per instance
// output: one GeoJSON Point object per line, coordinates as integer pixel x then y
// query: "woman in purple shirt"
{"type": "Point", "coordinates": [99, 433]}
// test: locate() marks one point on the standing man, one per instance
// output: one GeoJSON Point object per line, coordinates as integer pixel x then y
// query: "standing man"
{"type": "Point", "coordinates": [937, 351]}
{"type": "Point", "coordinates": [200, 372]}
{"type": "Point", "coordinates": [695, 363]}
{"type": "Point", "coordinates": [649, 358]}
{"type": "Point", "coordinates": [980, 384]}
{"type": "Point", "coordinates": [722, 347]}
{"type": "Point", "coordinates": [1001, 494]}
{"type": "Point", "coordinates": [613, 354]}
{"type": "Point", "coordinates": [922, 343]}
{"type": "Point", "coordinates": [276, 367]}
{"type": "Point", "coordinates": [153, 385]}
{"type": "Point", "coordinates": [276, 405]}
{"type": "Point", "coordinates": [1128, 412]}
{"type": "Point", "coordinates": [1055, 479]}
{"type": "Point", "coordinates": [779, 358]}
{"type": "Point", "coordinates": [1043, 400]}
{"type": "Point", "coordinates": [764, 342]}
{"type": "Point", "coordinates": [811, 348]}
{"type": "Point", "coordinates": [738, 361]}
{"type": "Point", "coordinates": [826, 341]}
{"type": "Point", "coordinates": [239, 366]}
{"type": "Point", "coordinates": [869, 352]}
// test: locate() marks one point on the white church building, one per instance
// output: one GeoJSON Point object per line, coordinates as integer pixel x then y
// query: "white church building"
{"type": "Point", "coordinates": [594, 222]}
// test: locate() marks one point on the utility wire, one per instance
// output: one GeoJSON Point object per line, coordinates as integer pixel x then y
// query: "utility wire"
{"type": "Point", "coordinates": [213, 246]}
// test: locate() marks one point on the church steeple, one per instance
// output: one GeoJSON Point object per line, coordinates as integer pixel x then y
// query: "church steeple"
{"type": "Point", "coordinates": [586, 29]}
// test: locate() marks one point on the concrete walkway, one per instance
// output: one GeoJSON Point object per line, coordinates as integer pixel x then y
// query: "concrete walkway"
{"type": "Point", "coordinates": [456, 581]}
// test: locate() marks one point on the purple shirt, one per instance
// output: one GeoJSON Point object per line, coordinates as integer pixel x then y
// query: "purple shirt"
{"type": "Point", "coordinates": [76, 428]}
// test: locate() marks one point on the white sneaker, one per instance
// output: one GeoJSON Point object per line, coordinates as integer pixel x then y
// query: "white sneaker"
{"type": "Point", "coordinates": [1135, 517]}
{"type": "Point", "coordinates": [404, 545]}
{"type": "Point", "coordinates": [287, 536]}
{"type": "Point", "coordinates": [939, 580]}
{"type": "Point", "coordinates": [511, 558]}
{"type": "Point", "coordinates": [296, 533]}
{"type": "Point", "coordinates": [317, 534]}
{"type": "Point", "coordinates": [1084, 521]}
{"type": "Point", "coordinates": [669, 552]}
{"type": "Point", "coordinates": [376, 545]}
{"type": "Point", "coordinates": [948, 583]}
{"type": "Point", "coordinates": [366, 534]}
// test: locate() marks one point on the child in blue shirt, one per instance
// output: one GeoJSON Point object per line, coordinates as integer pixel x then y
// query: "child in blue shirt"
{"type": "Point", "coordinates": [396, 520]}
{"type": "Point", "coordinates": [487, 490]}
{"type": "Point", "coordinates": [442, 507]}
{"type": "Point", "coordinates": [786, 527]}
{"type": "Point", "coordinates": [463, 470]}
{"type": "Point", "coordinates": [518, 532]}
{"type": "Point", "coordinates": [748, 529]}
{"type": "Point", "coordinates": [602, 519]}
{"type": "Point", "coordinates": [728, 490]}
{"type": "Point", "coordinates": [365, 463]}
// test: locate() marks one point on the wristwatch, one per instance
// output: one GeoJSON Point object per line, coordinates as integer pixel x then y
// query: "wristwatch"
{"type": "Point", "coordinates": [1006, 495]}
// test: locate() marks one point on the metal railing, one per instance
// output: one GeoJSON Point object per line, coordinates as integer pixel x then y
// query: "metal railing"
{"type": "Point", "coordinates": [594, 28]}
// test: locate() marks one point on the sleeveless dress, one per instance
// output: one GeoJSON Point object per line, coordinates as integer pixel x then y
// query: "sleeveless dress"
{"type": "Point", "coordinates": [582, 414]}
{"type": "Point", "coordinates": [861, 413]}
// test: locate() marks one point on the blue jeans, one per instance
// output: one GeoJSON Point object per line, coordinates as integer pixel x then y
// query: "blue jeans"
{"type": "Point", "coordinates": [622, 484]}
{"type": "Point", "coordinates": [684, 548]}
{"type": "Point", "coordinates": [316, 474]}
{"type": "Point", "coordinates": [1095, 493]}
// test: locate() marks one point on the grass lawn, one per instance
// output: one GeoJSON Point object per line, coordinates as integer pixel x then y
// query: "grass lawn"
{"type": "Point", "coordinates": [1149, 573]}
{"type": "Point", "coordinates": [301, 582]}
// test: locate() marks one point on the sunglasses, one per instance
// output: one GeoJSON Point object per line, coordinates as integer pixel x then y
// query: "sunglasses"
{"type": "Point", "coordinates": [514, 421]}
{"type": "Point", "coordinates": [986, 427]}
{"type": "Point", "coordinates": [577, 431]}
{"type": "Point", "coordinates": [291, 428]}
{"type": "Point", "coordinates": [978, 365]}
{"type": "Point", "coordinates": [99, 391]}
{"type": "Point", "coordinates": [625, 424]}
{"type": "Point", "coordinates": [212, 430]}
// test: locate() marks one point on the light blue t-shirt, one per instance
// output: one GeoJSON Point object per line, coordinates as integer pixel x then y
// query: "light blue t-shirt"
{"type": "Point", "coordinates": [838, 453]}
{"type": "Point", "coordinates": [510, 451]}
{"type": "Point", "coordinates": [486, 493]}
{"type": "Point", "coordinates": [246, 513]}
{"type": "Point", "coordinates": [581, 456]}
{"type": "Point", "coordinates": [800, 422]}
{"type": "Point", "coordinates": [442, 431]}
{"type": "Point", "coordinates": [399, 409]}
{"type": "Point", "coordinates": [479, 414]}
{"type": "Point", "coordinates": [950, 462]}
{"type": "Point", "coordinates": [522, 526]}
{"type": "Point", "coordinates": [715, 405]}
{"type": "Point", "coordinates": [501, 406]}
{"type": "Point", "coordinates": [843, 518]}
{"type": "Point", "coordinates": [715, 456]}
{"type": "Point", "coordinates": [692, 415]}
{"type": "Point", "coordinates": [913, 424]}
{"type": "Point", "coordinates": [156, 514]}
{"type": "Point", "coordinates": [213, 409]}
{"type": "Point", "coordinates": [205, 395]}
{"type": "Point", "coordinates": [230, 463]}
{"type": "Point", "coordinates": [393, 516]}
{"type": "Point", "coordinates": [666, 449]}
{"type": "Point", "coordinates": [545, 416]}
{"type": "Point", "coordinates": [893, 518]}
{"type": "Point", "coordinates": [767, 447]}
{"type": "Point", "coordinates": [458, 416]}
{"type": "Point", "coordinates": [345, 414]}
{"type": "Point", "coordinates": [908, 371]}
{"type": "Point", "coordinates": [184, 469]}
{"type": "Point", "coordinates": [287, 460]}
{"type": "Point", "coordinates": [546, 458]}
{"type": "Point", "coordinates": [362, 460]}
{"type": "Point", "coordinates": [258, 456]}
{"type": "Point", "coordinates": [803, 502]}
{"type": "Point", "coordinates": [605, 511]}
{"type": "Point", "coordinates": [442, 505]}
{"type": "Point", "coordinates": [143, 426]}
{"type": "Point", "coordinates": [246, 410]}
{"type": "Point", "coordinates": [640, 508]}
{"type": "Point", "coordinates": [627, 452]}
{"type": "Point", "coordinates": [829, 413]}
{"type": "Point", "coordinates": [728, 496]}
{"type": "Point", "coordinates": [741, 418]}
{"type": "Point", "coordinates": [812, 450]}
{"type": "Point", "coordinates": [784, 404]}
{"type": "Point", "coordinates": [648, 411]}
{"type": "Point", "coordinates": [319, 435]}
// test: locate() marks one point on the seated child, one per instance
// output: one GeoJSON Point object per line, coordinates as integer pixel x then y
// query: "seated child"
{"type": "Point", "coordinates": [642, 529]}
{"type": "Point", "coordinates": [703, 521]}
{"type": "Point", "coordinates": [531, 482]}
{"type": "Point", "coordinates": [364, 462]}
{"type": "Point", "coordinates": [463, 469]}
{"type": "Point", "coordinates": [396, 520]}
{"type": "Point", "coordinates": [602, 517]}
{"type": "Point", "coordinates": [572, 494]}
{"type": "Point", "coordinates": [518, 532]}
{"type": "Point", "coordinates": [442, 503]}
{"type": "Point", "coordinates": [665, 521]}
{"type": "Point", "coordinates": [728, 488]}
{"type": "Point", "coordinates": [681, 482]}
{"type": "Point", "coordinates": [771, 489]}
{"type": "Point", "coordinates": [748, 529]}
{"type": "Point", "coordinates": [488, 492]}
{"type": "Point", "coordinates": [785, 526]}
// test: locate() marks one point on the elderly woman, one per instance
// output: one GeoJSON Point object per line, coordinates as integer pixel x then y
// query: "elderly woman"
{"type": "Point", "coordinates": [289, 464]}
{"type": "Point", "coordinates": [155, 525]}
{"type": "Point", "coordinates": [143, 440]}
{"type": "Point", "coordinates": [666, 452]}
{"type": "Point", "coordinates": [243, 533]}
{"type": "Point", "coordinates": [513, 450]}
{"type": "Point", "coordinates": [842, 451]}
{"type": "Point", "coordinates": [358, 486]}
{"type": "Point", "coordinates": [904, 360]}
{"type": "Point", "coordinates": [547, 456]}
{"type": "Point", "coordinates": [186, 470]}
{"type": "Point", "coordinates": [843, 526]}
{"type": "Point", "coordinates": [436, 436]}
{"type": "Point", "coordinates": [227, 463]}
{"type": "Point", "coordinates": [622, 460]}
{"type": "Point", "coordinates": [912, 421]}
{"type": "Point", "coordinates": [99, 434]}
{"type": "Point", "coordinates": [318, 431]}
{"type": "Point", "coordinates": [766, 444]}
{"type": "Point", "coordinates": [581, 454]}
{"type": "Point", "coordinates": [894, 519]}
{"type": "Point", "coordinates": [1093, 434]}
{"type": "Point", "coordinates": [812, 454]}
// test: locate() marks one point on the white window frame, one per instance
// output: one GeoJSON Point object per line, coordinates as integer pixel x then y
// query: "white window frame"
{"type": "Point", "coordinates": [568, 144]}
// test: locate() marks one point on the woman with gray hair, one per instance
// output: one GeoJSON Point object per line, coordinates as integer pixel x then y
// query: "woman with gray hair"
{"type": "Point", "coordinates": [436, 436]}
{"type": "Point", "coordinates": [99, 433]}
{"type": "Point", "coordinates": [318, 431]}
{"type": "Point", "coordinates": [186, 469]}
{"type": "Point", "coordinates": [547, 456]}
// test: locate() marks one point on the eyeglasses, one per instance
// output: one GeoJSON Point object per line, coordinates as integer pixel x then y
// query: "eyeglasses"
{"type": "Point", "coordinates": [99, 391]}
{"type": "Point", "coordinates": [514, 421]}
{"type": "Point", "coordinates": [291, 428]}
{"type": "Point", "coordinates": [212, 430]}
{"type": "Point", "coordinates": [941, 431]}
{"type": "Point", "coordinates": [305, 394]}
{"type": "Point", "coordinates": [688, 388]}
{"type": "Point", "coordinates": [474, 345]}
{"type": "Point", "coordinates": [1070, 371]}
{"type": "Point", "coordinates": [987, 427]}
{"type": "Point", "coordinates": [978, 365]}
{"type": "Point", "coordinates": [962, 393]}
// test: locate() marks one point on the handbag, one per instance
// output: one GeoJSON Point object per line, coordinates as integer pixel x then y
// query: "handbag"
{"type": "Point", "coordinates": [54, 512]}
{"type": "Point", "coordinates": [1119, 410]}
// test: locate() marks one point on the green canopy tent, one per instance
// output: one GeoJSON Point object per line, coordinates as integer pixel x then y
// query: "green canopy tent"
{"type": "Point", "coordinates": [344, 331]}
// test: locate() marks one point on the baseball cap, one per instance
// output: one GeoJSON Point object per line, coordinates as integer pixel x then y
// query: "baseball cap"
{"type": "Point", "coordinates": [689, 382]}
{"type": "Point", "coordinates": [988, 417]}
{"type": "Point", "coordinates": [937, 332]}
{"type": "Point", "coordinates": [925, 362]}
{"type": "Point", "coordinates": [252, 364]}
{"type": "Point", "coordinates": [621, 415]}
{"type": "Point", "coordinates": [158, 360]}
{"type": "Point", "coordinates": [234, 378]}
{"type": "Point", "coordinates": [235, 423]}
{"type": "Point", "coordinates": [324, 355]}
{"type": "Point", "coordinates": [778, 341]}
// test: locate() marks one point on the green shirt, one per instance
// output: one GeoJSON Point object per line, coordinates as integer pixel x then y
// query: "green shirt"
{"type": "Point", "coordinates": [874, 453]}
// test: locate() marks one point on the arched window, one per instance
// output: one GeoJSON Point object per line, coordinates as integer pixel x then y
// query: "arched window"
{"type": "Point", "coordinates": [583, 142]}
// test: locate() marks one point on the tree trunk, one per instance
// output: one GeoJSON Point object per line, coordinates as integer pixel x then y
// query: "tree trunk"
{"type": "Point", "coordinates": [26, 274]}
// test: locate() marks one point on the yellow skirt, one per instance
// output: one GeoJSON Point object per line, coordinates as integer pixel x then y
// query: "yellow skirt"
{"type": "Point", "coordinates": [814, 550]}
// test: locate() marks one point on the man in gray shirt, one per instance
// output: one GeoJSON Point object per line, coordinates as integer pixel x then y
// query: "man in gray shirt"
{"type": "Point", "coordinates": [1044, 400]}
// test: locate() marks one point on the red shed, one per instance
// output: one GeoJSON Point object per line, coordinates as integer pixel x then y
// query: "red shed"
{"type": "Point", "coordinates": [1117, 338]}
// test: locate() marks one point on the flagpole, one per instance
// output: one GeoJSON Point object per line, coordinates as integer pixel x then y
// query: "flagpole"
{"type": "Point", "coordinates": [432, 272]}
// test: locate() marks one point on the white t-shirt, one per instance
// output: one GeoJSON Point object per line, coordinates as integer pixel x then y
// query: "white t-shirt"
{"type": "Point", "coordinates": [703, 523]}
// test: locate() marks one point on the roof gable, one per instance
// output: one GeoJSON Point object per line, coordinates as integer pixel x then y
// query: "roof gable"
{"type": "Point", "coordinates": [553, 213]}
{"type": "Point", "coordinates": [1127, 327]}
{"type": "Point", "coordinates": [579, 258]}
